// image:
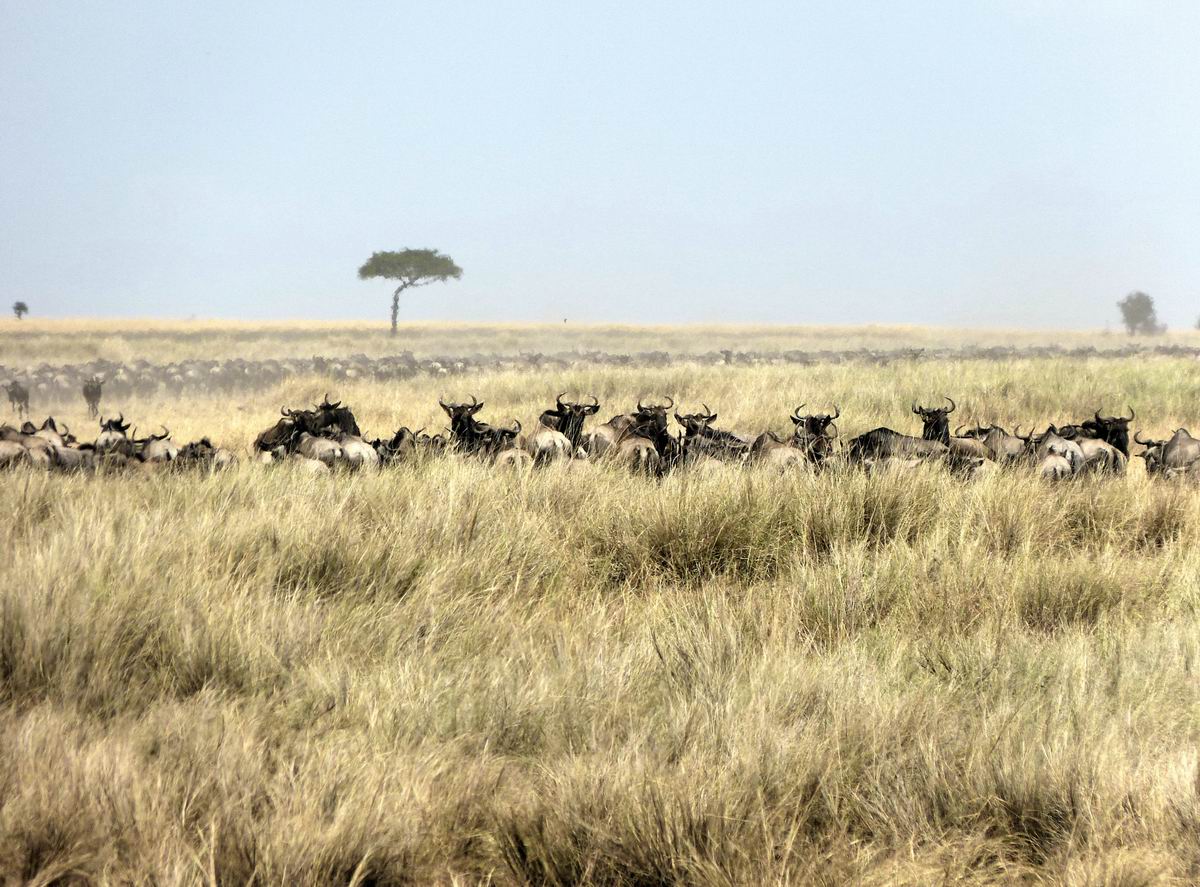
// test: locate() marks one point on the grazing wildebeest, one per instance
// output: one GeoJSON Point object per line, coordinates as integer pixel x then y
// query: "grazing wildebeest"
{"type": "Point", "coordinates": [91, 394]}
{"type": "Point", "coordinates": [18, 397]}
{"type": "Point", "coordinates": [319, 448]}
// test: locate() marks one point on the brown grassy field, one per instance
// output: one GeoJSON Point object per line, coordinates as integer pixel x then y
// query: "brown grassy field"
{"type": "Point", "coordinates": [442, 674]}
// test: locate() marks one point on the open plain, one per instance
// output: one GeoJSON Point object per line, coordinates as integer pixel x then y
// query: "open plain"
{"type": "Point", "coordinates": [442, 673]}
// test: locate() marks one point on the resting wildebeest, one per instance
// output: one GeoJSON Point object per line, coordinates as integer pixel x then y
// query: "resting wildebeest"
{"type": "Point", "coordinates": [1002, 447]}
{"type": "Point", "coordinates": [18, 397]}
{"type": "Point", "coordinates": [1113, 430]}
{"type": "Point", "coordinates": [91, 395]}
{"type": "Point", "coordinates": [700, 438]}
{"type": "Point", "coordinates": [1179, 453]}
{"type": "Point", "coordinates": [964, 452]}
{"type": "Point", "coordinates": [884, 443]}
{"type": "Point", "coordinates": [810, 440]}
{"type": "Point", "coordinates": [156, 447]}
{"type": "Point", "coordinates": [112, 437]}
{"type": "Point", "coordinates": [474, 437]}
{"type": "Point", "coordinates": [605, 436]}
{"type": "Point", "coordinates": [1040, 447]}
{"type": "Point", "coordinates": [202, 454]}
{"type": "Point", "coordinates": [567, 419]}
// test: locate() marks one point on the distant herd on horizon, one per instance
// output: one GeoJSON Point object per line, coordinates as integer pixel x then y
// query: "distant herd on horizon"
{"type": "Point", "coordinates": [327, 436]}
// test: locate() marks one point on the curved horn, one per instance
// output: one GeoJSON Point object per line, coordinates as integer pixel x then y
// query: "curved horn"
{"type": "Point", "coordinates": [558, 402]}
{"type": "Point", "coordinates": [595, 401]}
{"type": "Point", "coordinates": [1137, 439]}
{"type": "Point", "coordinates": [1017, 434]}
{"type": "Point", "coordinates": [474, 400]}
{"type": "Point", "coordinates": [708, 411]}
{"type": "Point", "coordinates": [670, 402]}
{"type": "Point", "coordinates": [837, 411]}
{"type": "Point", "coordinates": [796, 412]}
{"type": "Point", "coordinates": [166, 432]}
{"type": "Point", "coordinates": [640, 408]}
{"type": "Point", "coordinates": [958, 429]}
{"type": "Point", "coordinates": [914, 408]}
{"type": "Point", "coordinates": [953, 405]}
{"type": "Point", "coordinates": [517, 429]}
{"type": "Point", "coordinates": [1132, 414]}
{"type": "Point", "coordinates": [443, 404]}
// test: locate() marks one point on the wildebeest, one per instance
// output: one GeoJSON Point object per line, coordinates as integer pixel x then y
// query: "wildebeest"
{"type": "Point", "coordinates": [884, 443]}
{"type": "Point", "coordinates": [604, 437]}
{"type": "Point", "coordinates": [319, 448]}
{"type": "Point", "coordinates": [1178, 453]}
{"type": "Point", "coordinates": [1038, 447]}
{"type": "Point", "coordinates": [567, 418]}
{"type": "Point", "coordinates": [18, 397]}
{"type": "Point", "coordinates": [1002, 447]}
{"type": "Point", "coordinates": [356, 452]}
{"type": "Point", "coordinates": [156, 447]}
{"type": "Point", "coordinates": [963, 452]}
{"type": "Point", "coordinates": [202, 454]}
{"type": "Point", "coordinates": [474, 437]}
{"type": "Point", "coordinates": [810, 440]}
{"type": "Point", "coordinates": [701, 439]}
{"type": "Point", "coordinates": [1113, 430]}
{"type": "Point", "coordinates": [113, 438]}
{"type": "Point", "coordinates": [91, 395]}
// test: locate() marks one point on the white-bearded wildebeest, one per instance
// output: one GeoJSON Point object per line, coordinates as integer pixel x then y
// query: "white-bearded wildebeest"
{"type": "Point", "coordinates": [91, 395]}
{"type": "Point", "coordinates": [470, 436]}
{"type": "Point", "coordinates": [156, 448]}
{"type": "Point", "coordinates": [1039, 448]}
{"type": "Point", "coordinates": [559, 432]}
{"type": "Point", "coordinates": [1003, 447]}
{"type": "Point", "coordinates": [112, 437]}
{"type": "Point", "coordinates": [18, 397]}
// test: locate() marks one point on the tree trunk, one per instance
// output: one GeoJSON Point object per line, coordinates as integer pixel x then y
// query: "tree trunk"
{"type": "Point", "coordinates": [396, 307]}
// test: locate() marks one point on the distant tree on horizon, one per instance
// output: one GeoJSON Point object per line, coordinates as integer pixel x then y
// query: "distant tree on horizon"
{"type": "Point", "coordinates": [1139, 316]}
{"type": "Point", "coordinates": [412, 268]}
{"type": "Point", "coordinates": [20, 309]}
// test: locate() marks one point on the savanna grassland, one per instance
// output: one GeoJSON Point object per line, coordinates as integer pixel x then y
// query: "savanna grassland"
{"type": "Point", "coordinates": [444, 674]}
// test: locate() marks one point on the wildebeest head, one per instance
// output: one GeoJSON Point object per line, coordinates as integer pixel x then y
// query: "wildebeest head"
{"type": "Point", "coordinates": [331, 414]}
{"type": "Point", "coordinates": [653, 417]}
{"type": "Point", "coordinates": [815, 425]}
{"type": "Point", "coordinates": [936, 421]}
{"type": "Point", "coordinates": [1111, 429]}
{"type": "Point", "coordinates": [461, 414]}
{"type": "Point", "coordinates": [694, 424]}
{"type": "Point", "coordinates": [568, 417]}
{"type": "Point", "coordinates": [282, 434]}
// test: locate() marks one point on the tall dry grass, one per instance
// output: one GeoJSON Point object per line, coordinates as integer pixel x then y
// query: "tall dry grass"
{"type": "Point", "coordinates": [441, 674]}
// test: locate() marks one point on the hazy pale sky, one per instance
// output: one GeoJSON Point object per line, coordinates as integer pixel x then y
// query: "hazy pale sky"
{"type": "Point", "coordinates": [991, 162]}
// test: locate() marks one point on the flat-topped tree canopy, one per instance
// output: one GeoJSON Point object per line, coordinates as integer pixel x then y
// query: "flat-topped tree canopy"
{"type": "Point", "coordinates": [411, 267]}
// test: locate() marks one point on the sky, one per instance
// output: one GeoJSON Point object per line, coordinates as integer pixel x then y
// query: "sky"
{"type": "Point", "coordinates": [967, 162]}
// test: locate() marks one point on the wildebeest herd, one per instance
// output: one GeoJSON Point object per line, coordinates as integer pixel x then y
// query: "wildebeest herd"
{"type": "Point", "coordinates": [327, 436]}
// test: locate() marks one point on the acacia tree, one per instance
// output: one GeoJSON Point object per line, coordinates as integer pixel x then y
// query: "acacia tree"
{"type": "Point", "coordinates": [412, 267]}
{"type": "Point", "coordinates": [1138, 314]}
{"type": "Point", "coordinates": [20, 309]}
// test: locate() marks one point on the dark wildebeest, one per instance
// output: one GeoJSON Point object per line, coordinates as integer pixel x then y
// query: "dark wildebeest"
{"type": "Point", "coordinates": [701, 439]}
{"type": "Point", "coordinates": [884, 443]}
{"type": "Point", "coordinates": [156, 447]}
{"type": "Point", "coordinates": [18, 397]}
{"type": "Point", "coordinates": [474, 437]}
{"type": "Point", "coordinates": [1113, 430]}
{"type": "Point", "coordinates": [964, 452]}
{"type": "Point", "coordinates": [567, 418]}
{"type": "Point", "coordinates": [559, 432]}
{"type": "Point", "coordinates": [91, 394]}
